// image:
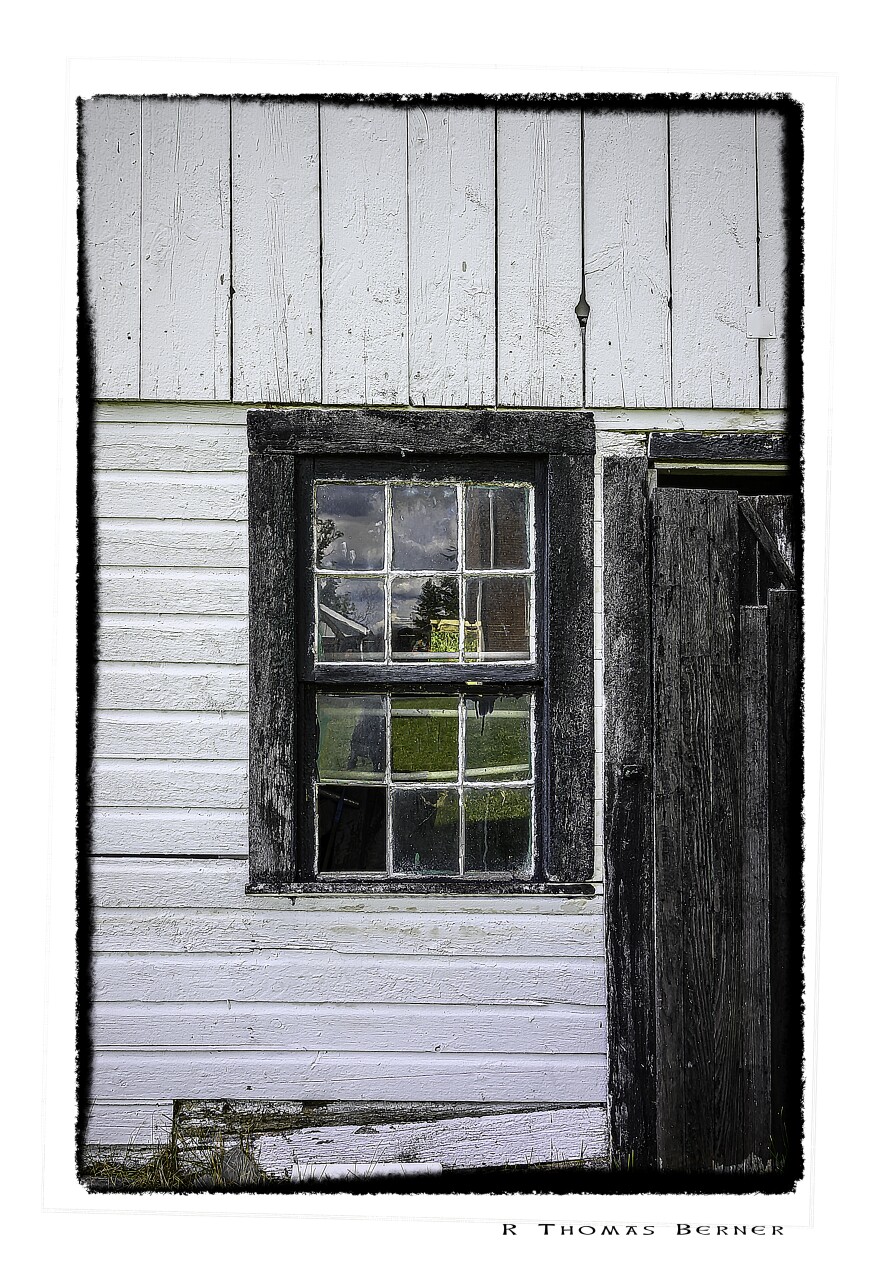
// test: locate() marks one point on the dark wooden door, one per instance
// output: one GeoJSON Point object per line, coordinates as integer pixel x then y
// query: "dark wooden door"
{"type": "Point", "coordinates": [726, 641]}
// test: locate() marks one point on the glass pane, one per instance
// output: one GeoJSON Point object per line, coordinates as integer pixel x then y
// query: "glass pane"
{"type": "Point", "coordinates": [424, 618]}
{"type": "Point", "coordinates": [351, 618]}
{"type": "Point", "coordinates": [351, 828]}
{"type": "Point", "coordinates": [424, 737]}
{"type": "Point", "coordinates": [496, 527]}
{"type": "Point", "coordinates": [497, 618]}
{"type": "Point", "coordinates": [424, 528]}
{"type": "Point", "coordinates": [425, 825]}
{"type": "Point", "coordinates": [498, 832]}
{"type": "Point", "coordinates": [351, 738]}
{"type": "Point", "coordinates": [350, 526]}
{"type": "Point", "coordinates": [498, 743]}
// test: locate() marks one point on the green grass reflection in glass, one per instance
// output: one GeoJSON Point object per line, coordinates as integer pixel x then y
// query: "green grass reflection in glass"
{"type": "Point", "coordinates": [498, 742]}
{"type": "Point", "coordinates": [498, 832]}
{"type": "Point", "coordinates": [351, 738]}
{"type": "Point", "coordinates": [424, 738]}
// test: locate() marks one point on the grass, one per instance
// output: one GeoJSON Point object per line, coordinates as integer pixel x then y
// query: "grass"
{"type": "Point", "coordinates": [180, 1165]}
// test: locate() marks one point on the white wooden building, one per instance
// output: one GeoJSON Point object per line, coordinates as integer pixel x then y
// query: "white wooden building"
{"type": "Point", "coordinates": [251, 253]}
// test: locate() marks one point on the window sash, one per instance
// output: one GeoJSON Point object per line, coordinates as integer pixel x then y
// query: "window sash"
{"type": "Point", "coordinates": [284, 446]}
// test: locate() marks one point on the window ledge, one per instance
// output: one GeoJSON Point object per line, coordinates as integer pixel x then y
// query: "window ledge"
{"type": "Point", "coordinates": [443, 888]}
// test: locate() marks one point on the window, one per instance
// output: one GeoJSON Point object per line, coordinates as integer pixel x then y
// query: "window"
{"type": "Point", "coordinates": [421, 651]}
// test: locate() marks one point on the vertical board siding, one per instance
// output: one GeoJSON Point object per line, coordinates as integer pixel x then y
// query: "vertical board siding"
{"type": "Point", "coordinates": [539, 258]}
{"type": "Point", "coordinates": [111, 201]}
{"type": "Point", "coordinates": [626, 259]}
{"type": "Point", "coordinates": [276, 252]}
{"type": "Point", "coordinates": [185, 249]}
{"type": "Point", "coordinates": [713, 224]}
{"type": "Point", "coordinates": [772, 253]}
{"type": "Point", "coordinates": [754, 801]}
{"type": "Point", "coordinates": [628, 832]}
{"type": "Point", "coordinates": [372, 252]}
{"type": "Point", "coordinates": [170, 771]}
{"type": "Point", "coordinates": [451, 256]}
{"type": "Point", "coordinates": [364, 270]}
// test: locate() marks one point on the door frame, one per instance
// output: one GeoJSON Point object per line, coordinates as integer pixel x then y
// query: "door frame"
{"type": "Point", "coordinates": [628, 482]}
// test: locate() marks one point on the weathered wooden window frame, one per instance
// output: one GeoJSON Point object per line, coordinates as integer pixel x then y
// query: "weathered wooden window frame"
{"type": "Point", "coordinates": [282, 447]}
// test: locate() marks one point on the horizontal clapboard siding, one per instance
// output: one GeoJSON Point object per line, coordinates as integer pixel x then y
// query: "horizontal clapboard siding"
{"type": "Point", "coordinates": [151, 734]}
{"type": "Point", "coordinates": [209, 884]}
{"type": "Point", "coordinates": [424, 1077]}
{"type": "Point", "coordinates": [322, 977]}
{"type": "Point", "coordinates": [351, 1028]}
{"type": "Point", "coordinates": [208, 993]}
{"type": "Point", "coordinates": [336, 253]}
{"type": "Point", "coordinates": [171, 726]}
{"type": "Point", "coordinates": [177, 831]}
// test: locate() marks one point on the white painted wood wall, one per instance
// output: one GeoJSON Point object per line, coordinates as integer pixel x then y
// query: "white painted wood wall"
{"type": "Point", "coordinates": [253, 252]}
{"type": "Point", "coordinates": [294, 252]}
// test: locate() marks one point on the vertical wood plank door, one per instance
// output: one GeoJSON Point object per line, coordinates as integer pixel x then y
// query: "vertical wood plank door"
{"type": "Point", "coordinates": [726, 780]}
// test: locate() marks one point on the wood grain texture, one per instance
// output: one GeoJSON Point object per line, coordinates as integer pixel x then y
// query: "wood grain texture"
{"type": "Point", "coordinates": [725, 448]}
{"type": "Point", "coordinates": [122, 494]}
{"type": "Point", "coordinates": [350, 1028]}
{"type": "Point", "coordinates": [272, 610]}
{"type": "Point", "coordinates": [128, 784]}
{"type": "Point", "coordinates": [451, 186]}
{"type": "Point", "coordinates": [539, 258]}
{"type": "Point", "coordinates": [357, 431]}
{"type": "Point", "coordinates": [364, 239]}
{"type": "Point", "coordinates": [121, 1124]}
{"type": "Point", "coordinates": [570, 734]}
{"type": "Point", "coordinates": [692, 952]}
{"type": "Point", "coordinates": [628, 831]}
{"type": "Point", "coordinates": [323, 977]}
{"type": "Point", "coordinates": [143, 686]}
{"type": "Point", "coordinates": [166, 542]}
{"type": "Point", "coordinates": [193, 414]}
{"type": "Point", "coordinates": [189, 639]}
{"type": "Point", "coordinates": [464, 1140]}
{"type": "Point", "coordinates": [667, 538]}
{"type": "Point", "coordinates": [185, 735]}
{"type": "Point", "coordinates": [726, 876]}
{"type": "Point", "coordinates": [754, 809]}
{"type": "Point", "coordinates": [111, 207]}
{"type": "Point", "coordinates": [626, 259]}
{"type": "Point", "coordinates": [684, 419]}
{"type": "Point", "coordinates": [423, 1077]}
{"type": "Point", "coordinates": [785, 785]}
{"type": "Point", "coordinates": [276, 252]}
{"type": "Point", "coordinates": [187, 591]}
{"type": "Point", "coordinates": [779, 514]}
{"type": "Point", "coordinates": [220, 832]}
{"type": "Point", "coordinates": [212, 884]}
{"type": "Point", "coordinates": [713, 224]}
{"type": "Point", "coordinates": [773, 255]}
{"type": "Point", "coordinates": [185, 249]}
{"type": "Point", "coordinates": [147, 930]}
{"type": "Point", "coordinates": [178, 447]}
